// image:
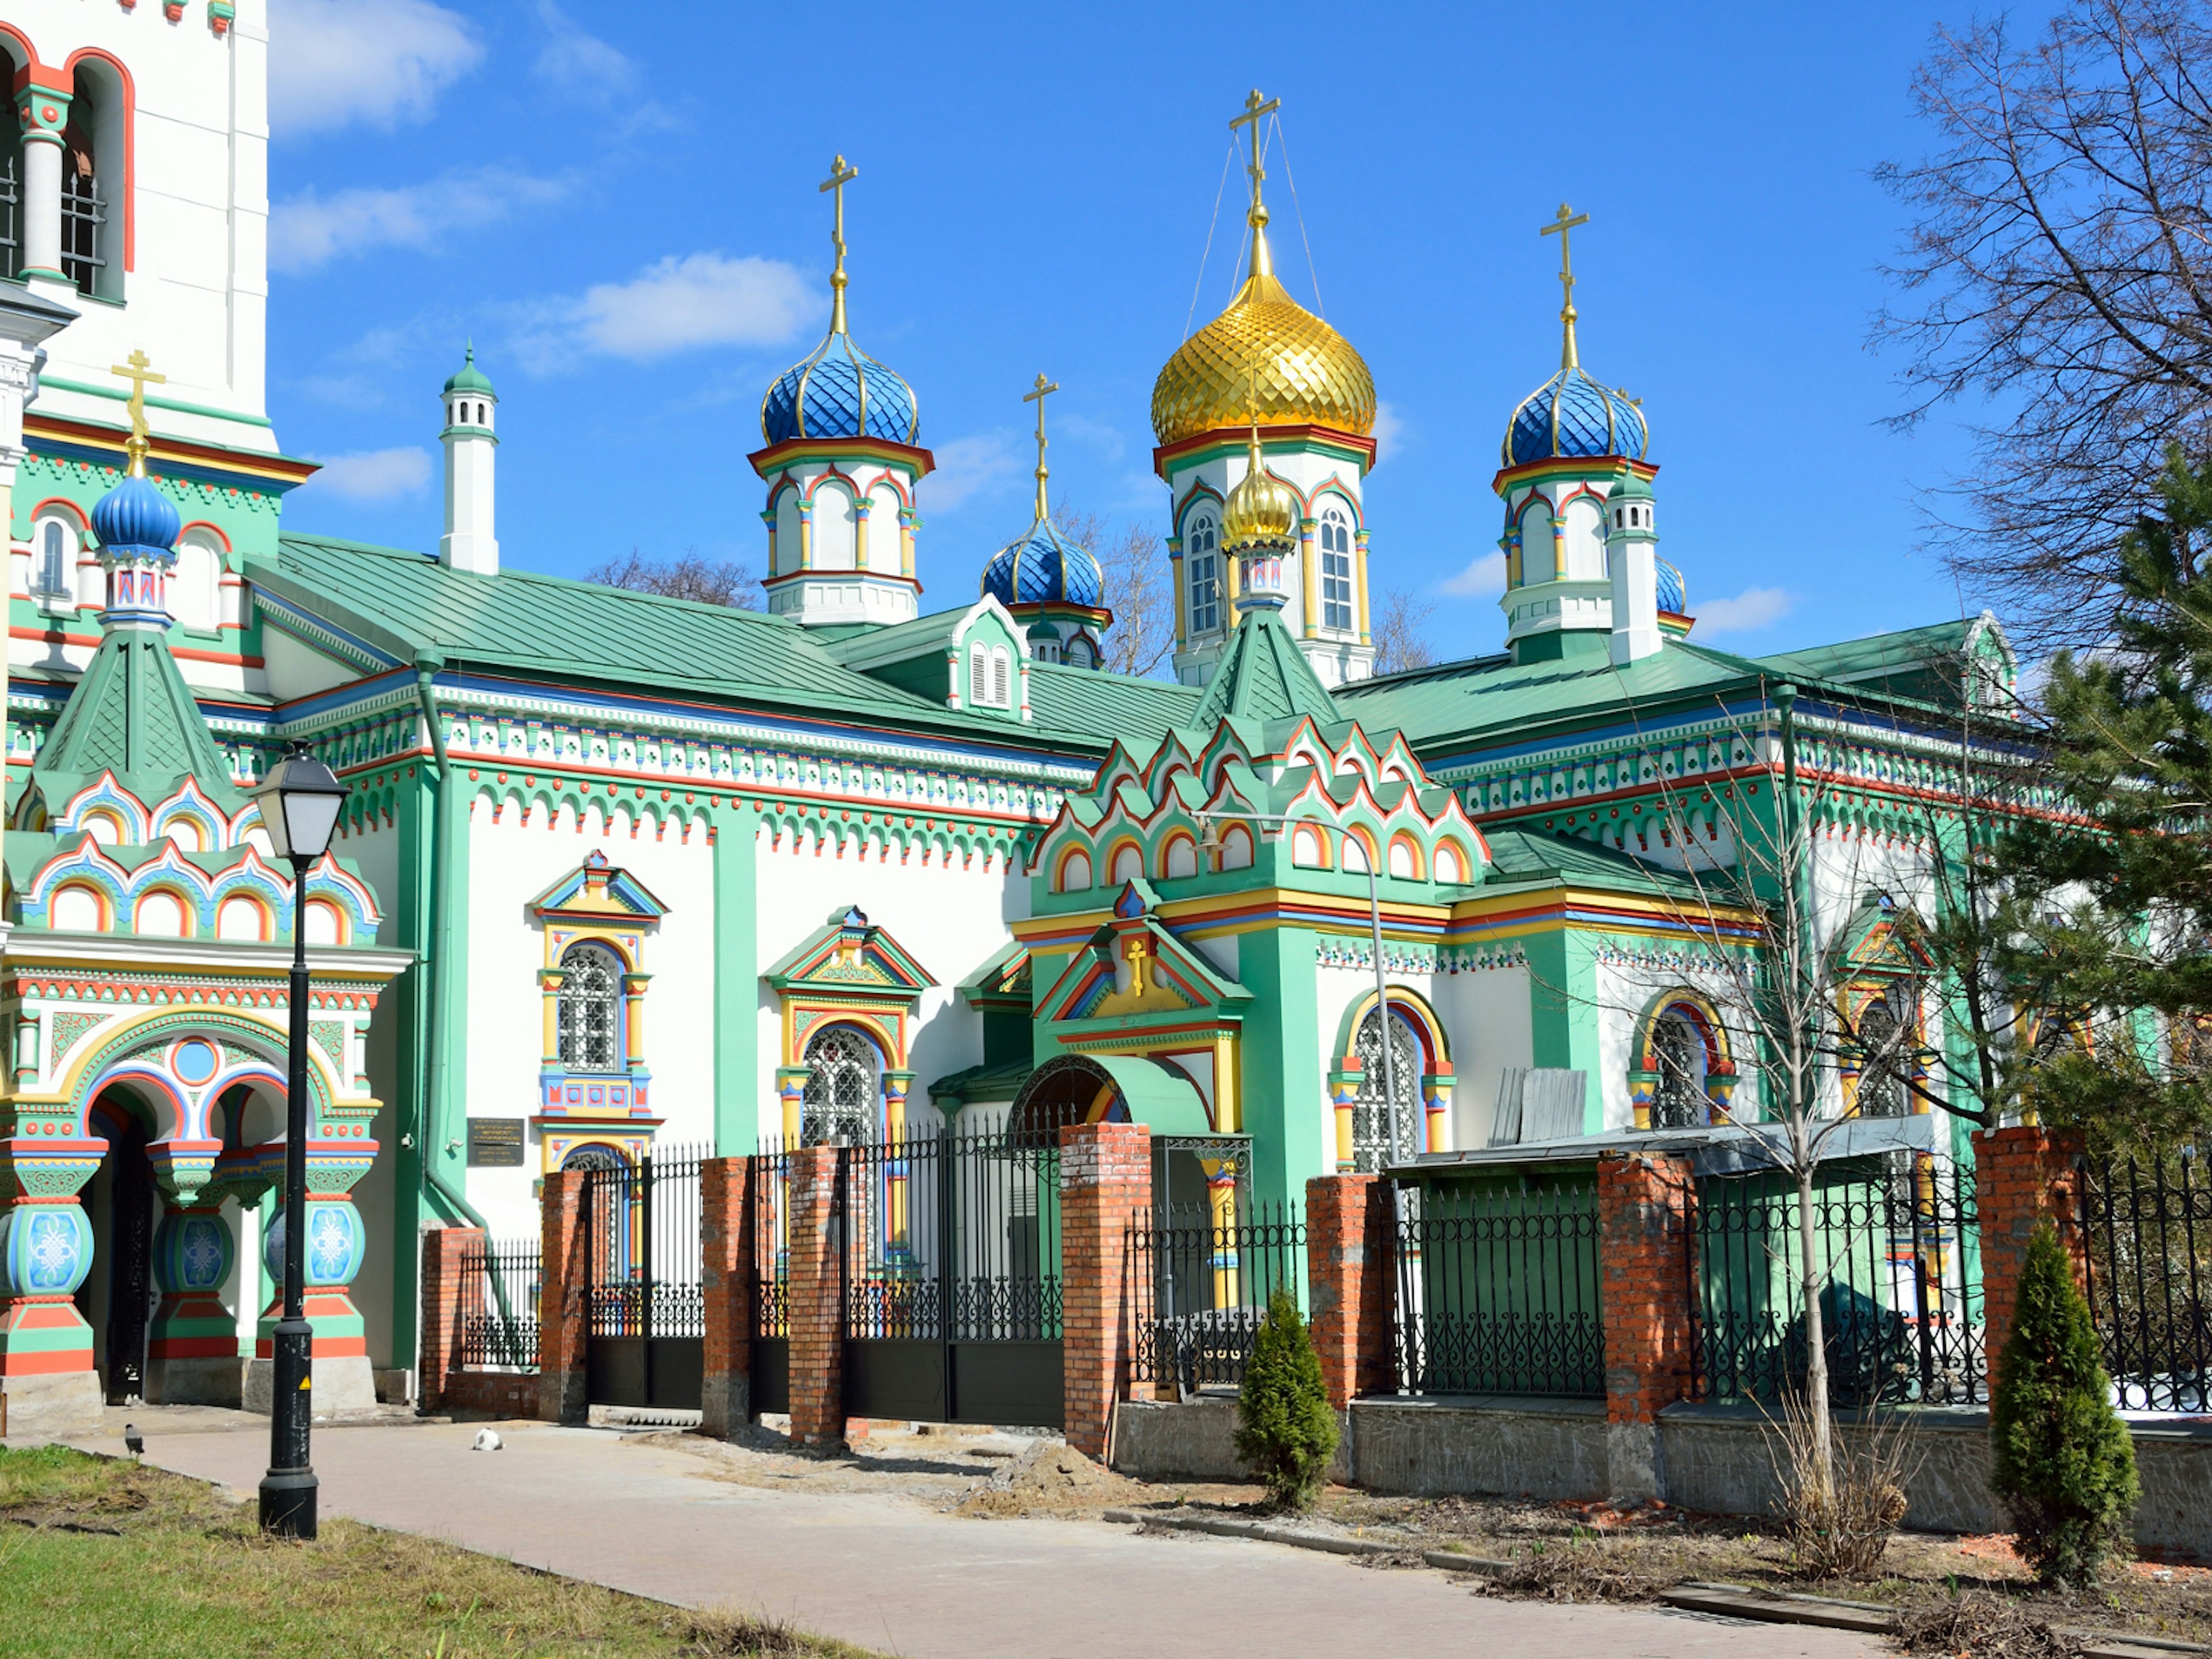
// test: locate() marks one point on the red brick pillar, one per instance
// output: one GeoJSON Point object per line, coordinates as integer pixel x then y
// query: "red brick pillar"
{"type": "Point", "coordinates": [1350, 1256]}
{"type": "Point", "coordinates": [2023, 1178]}
{"type": "Point", "coordinates": [725, 1275]}
{"type": "Point", "coordinates": [563, 1263]}
{"type": "Point", "coordinates": [818, 1295]}
{"type": "Point", "coordinates": [1105, 1188]}
{"type": "Point", "coordinates": [444, 1303]}
{"type": "Point", "coordinates": [1647, 1269]}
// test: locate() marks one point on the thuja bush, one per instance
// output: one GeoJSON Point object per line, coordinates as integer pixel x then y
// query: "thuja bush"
{"type": "Point", "coordinates": [1285, 1431]}
{"type": "Point", "coordinates": [2063, 1464]}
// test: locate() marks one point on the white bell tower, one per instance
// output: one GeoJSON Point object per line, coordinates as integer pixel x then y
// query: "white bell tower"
{"type": "Point", "coordinates": [468, 542]}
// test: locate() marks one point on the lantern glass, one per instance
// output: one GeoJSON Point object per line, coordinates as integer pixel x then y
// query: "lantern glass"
{"type": "Point", "coordinates": [299, 800]}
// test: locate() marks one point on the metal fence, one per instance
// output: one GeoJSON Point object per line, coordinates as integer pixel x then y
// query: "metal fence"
{"type": "Point", "coordinates": [641, 1277]}
{"type": "Point", "coordinates": [1201, 1286]}
{"type": "Point", "coordinates": [499, 1304]}
{"type": "Point", "coordinates": [1497, 1289]}
{"type": "Point", "coordinates": [2149, 1234]}
{"type": "Point", "coordinates": [1899, 1244]}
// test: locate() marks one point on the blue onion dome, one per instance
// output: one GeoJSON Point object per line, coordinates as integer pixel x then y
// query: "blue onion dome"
{"type": "Point", "coordinates": [1572, 415]}
{"type": "Point", "coordinates": [135, 516]}
{"type": "Point", "coordinates": [838, 391]}
{"type": "Point", "coordinates": [1673, 596]}
{"type": "Point", "coordinates": [1042, 567]}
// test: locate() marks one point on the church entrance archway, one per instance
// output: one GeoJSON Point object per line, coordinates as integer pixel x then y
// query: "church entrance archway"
{"type": "Point", "coordinates": [118, 1297]}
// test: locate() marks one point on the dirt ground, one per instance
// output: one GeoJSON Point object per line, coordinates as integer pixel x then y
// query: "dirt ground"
{"type": "Point", "coordinates": [1968, 1595]}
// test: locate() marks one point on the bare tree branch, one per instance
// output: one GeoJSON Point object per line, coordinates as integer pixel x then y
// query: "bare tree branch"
{"type": "Point", "coordinates": [688, 576]}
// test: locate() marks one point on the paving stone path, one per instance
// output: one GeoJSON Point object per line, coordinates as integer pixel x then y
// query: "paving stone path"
{"type": "Point", "coordinates": [894, 1575]}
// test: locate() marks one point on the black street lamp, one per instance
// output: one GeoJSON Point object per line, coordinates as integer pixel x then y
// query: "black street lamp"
{"type": "Point", "coordinates": [299, 800]}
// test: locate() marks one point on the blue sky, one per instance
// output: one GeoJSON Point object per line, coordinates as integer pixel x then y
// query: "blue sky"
{"type": "Point", "coordinates": [619, 205]}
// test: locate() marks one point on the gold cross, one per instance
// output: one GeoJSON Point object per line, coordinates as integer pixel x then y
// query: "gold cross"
{"type": "Point", "coordinates": [840, 176]}
{"type": "Point", "coordinates": [1253, 109]}
{"type": "Point", "coordinates": [1562, 221]}
{"type": "Point", "coordinates": [138, 372]}
{"type": "Point", "coordinates": [1044, 389]}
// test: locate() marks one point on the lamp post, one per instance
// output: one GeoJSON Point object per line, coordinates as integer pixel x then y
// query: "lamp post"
{"type": "Point", "coordinates": [299, 801]}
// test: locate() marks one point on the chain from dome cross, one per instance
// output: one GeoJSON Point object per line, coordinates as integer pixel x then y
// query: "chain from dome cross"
{"type": "Point", "coordinates": [840, 175]}
{"type": "Point", "coordinates": [1562, 222]}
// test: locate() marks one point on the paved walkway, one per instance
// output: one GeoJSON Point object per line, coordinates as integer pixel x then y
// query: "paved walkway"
{"type": "Point", "coordinates": [892, 1575]}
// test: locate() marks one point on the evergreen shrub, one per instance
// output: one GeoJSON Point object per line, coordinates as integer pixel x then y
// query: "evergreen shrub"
{"type": "Point", "coordinates": [1285, 1431]}
{"type": "Point", "coordinates": [2063, 1464]}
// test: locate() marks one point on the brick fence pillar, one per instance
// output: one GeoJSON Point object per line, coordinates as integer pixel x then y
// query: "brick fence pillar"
{"type": "Point", "coordinates": [725, 1276]}
{"type": "Point", "coordinates": [1646, 1269]}
{"type": "Point", "coordinates": [817, 1309]}
{"type": "Point", "coordinates": [1105, 1188]}
{"type": "Point", "coordinates": [563, 1262]}
{"type": "Point", "coordinates": [2023, 1178]}
{"type": "Point", "coordinates": [444, 1286]}
{"type": "Point", "coordinates": [1350, 1255]}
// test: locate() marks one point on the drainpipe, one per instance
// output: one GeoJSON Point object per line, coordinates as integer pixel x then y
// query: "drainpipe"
{"type": "Point", "coordinates": [434, 1068]}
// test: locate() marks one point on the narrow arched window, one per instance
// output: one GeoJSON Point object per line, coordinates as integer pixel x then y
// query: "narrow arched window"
{"type": "Point", "coordinates": [1679, 1048]}
{"type": "Point", "coordinates": [1336, 602]}
{"type": "Point", "coordinates": [83, 212]}
{"type": "Point", "coordinates": [1203, 565]}
{"type": "Point", "coordinates": [1885, 1050]}
{"type": "Point", "coordinates": [1002, 692]}
{"type": "Point", "coordinates": [1373, 1143]}
{"type": "Point", "coordinates": [53, 579]}
{"type": "Point", "coordinates": [978, 675]}
{"type": "Point", "coordinates": [11, 198]}
{"type": "Point", "coordinates": [840, 1099]}
{"type": "Point", "coordinates": [591, 1009]}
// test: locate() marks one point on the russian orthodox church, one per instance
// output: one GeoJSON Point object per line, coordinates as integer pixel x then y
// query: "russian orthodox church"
{"type": "Point", "coordinates": [620, 871]}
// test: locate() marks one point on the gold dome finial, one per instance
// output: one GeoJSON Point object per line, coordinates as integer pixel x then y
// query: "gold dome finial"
{"type": "Point", "coordinates": [1306, 373]}
{"type": "Point", "coordinates": [1562, 221]}
{"type": "Point", "coordinates": [138, 369]}
{"type": "Point", "coordinates": [1260, 515]}
{"type": "Point", "coordinates": [1044, 389]}
{"type": "Point", "coordinates": [840, 176]}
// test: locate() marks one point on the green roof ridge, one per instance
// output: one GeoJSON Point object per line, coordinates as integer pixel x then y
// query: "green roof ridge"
{"type": "Point", "coordinates": [132, 714]}
{"type": "Point", "coordinates": [1265, 676]}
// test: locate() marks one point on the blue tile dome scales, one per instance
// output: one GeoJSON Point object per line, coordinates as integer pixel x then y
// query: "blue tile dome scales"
{"type": "Point", "coordinates": [838, 391]}
{"type": "Point", "coordinates": [1043, 567]}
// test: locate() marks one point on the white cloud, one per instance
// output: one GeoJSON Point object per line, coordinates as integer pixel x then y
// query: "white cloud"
{"type": "Point", "coordinates": [572, 57]}
{"type": "Point", "coordinates": [1100, 435]}
{"type": "Point", "coordinates": [681, 304]}
{"type": "Point", "coordinates": [1752, 609]}
{"type": "Point", "coordinates": [309, 229]}
{"type": "Point", "coordinates": [969, 466]}
{"type": "Point", "coordinates": [1390, 427]}
{"type": "Point", "coordinates": [332, 62]}
{"type": "Point", "coordinates": [374, 475]}
{"type": "Point", "coordinates": [1483, 578]}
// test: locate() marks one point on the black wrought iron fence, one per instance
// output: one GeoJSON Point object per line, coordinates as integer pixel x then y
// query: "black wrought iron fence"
{"type": "Point", "coordinates": [1897, 1244]}
{"type": "Point", "coordinates": [2148, 1225]}
{"type": "Point", "coordinates": [767, 1202]}
{"type": "Point", "coordinates": [1497, 1289]}
{"type": "Point", "coordinates": [499, 1304]}
{"type": "Point", "coordinates": [642, 1279]}
{"type": "Point", "coordinates": [1201, 1286]}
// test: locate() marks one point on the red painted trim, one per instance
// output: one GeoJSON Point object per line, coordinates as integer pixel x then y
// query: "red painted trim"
{"type": "Point", "coordinates": [50, 1363]}
{"type": "Point", "coordinates": [68, 506]}
{"type": "Point", "coordinates": [30, 52]}
{"type": "Point", "coordinates": [129, 144]}
{"type": "Point", "coordinates": [203, 523]}
{"type": "Point", "coordinates": [234, 460]}
{"type": "Point", "coordinates": [1165, 453]}
{"type": "Point", "coordinates": [765, 461]}
{"type": "Point", "coordinates": [56, 636]}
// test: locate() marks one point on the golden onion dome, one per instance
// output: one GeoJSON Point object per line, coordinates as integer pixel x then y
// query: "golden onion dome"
{"type": "Point", "coordinates": [1265, 356]}
{"type": "Point", "coordinates": [1261, 513]}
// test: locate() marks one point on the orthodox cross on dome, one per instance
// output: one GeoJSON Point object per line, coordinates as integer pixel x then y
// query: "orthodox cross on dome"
{"type": "Point", "coordinates": [1562, 221]}
{"type": "Point", "coordinates": [138, 369]}
{"type": "Point", "coordinates": [840, 176]}
{"type": "Point", "coordinates": [1044, 389]}
{"type": "Point", "coordinates": [1255, 107]}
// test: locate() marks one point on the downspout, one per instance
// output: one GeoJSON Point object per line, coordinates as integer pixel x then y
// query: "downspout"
{"type": "Point", "coordinates": [427, 665]}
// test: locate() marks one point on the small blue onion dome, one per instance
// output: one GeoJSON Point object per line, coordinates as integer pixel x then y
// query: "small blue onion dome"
{"type": "Point", "coordinates": [135, 515]}
{"type": "Point", "coordinates": [838, 391]}
{"type": "Point", "coordinates": [1042, 567]}
{"type": "Point", "coordinates": [1572, 415]}
{"type": "Point", "coordinates": [1673, 596]}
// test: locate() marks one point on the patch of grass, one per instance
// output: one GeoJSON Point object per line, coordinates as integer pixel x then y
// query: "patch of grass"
{"type": "Point", "coordinates": [102, 1556]}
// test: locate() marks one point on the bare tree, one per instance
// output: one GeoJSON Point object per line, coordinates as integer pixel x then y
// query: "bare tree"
{"type": "Point", "coordinates": [2057, 267]}
{"type": "Point", "coordinates": [688, 576]}
{"type": "Point", "coordinates": [1398, 633]}
{"type": "Point", "coordinates": [1133, 572]}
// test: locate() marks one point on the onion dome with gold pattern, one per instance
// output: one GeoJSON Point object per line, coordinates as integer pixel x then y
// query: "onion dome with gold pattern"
{"type": "Point", "coordinates": [1261, 513]}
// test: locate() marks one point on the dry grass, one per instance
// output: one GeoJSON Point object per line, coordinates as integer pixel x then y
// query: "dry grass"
{"type": "Point", "coordinates": [1839, 1520]}
{"type": "Point", "coordinates": [1985, 1625]}
{"type": "Point", "coordinates": [100, 1556]}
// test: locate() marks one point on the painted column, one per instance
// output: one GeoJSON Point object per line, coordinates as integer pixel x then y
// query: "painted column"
{"type": "Point", "coordinates": [192, 1347]}
{"type": "Point", "coordinates": [1221, 1207]}
{"type": "Point", "coordinates": [634, 1019]}
{"type": "Point", "coordinates": [1311, 621]}
{"type": "Point", "coordinates": [549, 982]}
{"type": "Point", "coordinates": [1720, 1096]}
{"type": "Point", "coordinates": [898, 1247]}
{"type": "Point", "coordinates": [1175, 590]}
{"type": "Point", "coordinates": [1643, 1095]}
{"type": "Point", "coordinates": [768, 518]}
{"type": "Point", "coordinates": [44, 111]}
{"type": "Point", "coordinates": [1344, 1085]}
{"type": "Point", "coordinates": [1359, 542]}
{"type": "Point", "coordinates": [908, 520]}
{"type": "Point", "coordinates": [806, 535]}
{"type": "Point", "coordinates": [1228, 1103]}
{"type": "Point", "coordinates": [791, 1091]}
{"type": "Point", "coordinates": [1436, 1100]}
{"type": "Point", "coordinates": [47, 1372]}
{"type": "Point", "coordinates": [338, 1243]}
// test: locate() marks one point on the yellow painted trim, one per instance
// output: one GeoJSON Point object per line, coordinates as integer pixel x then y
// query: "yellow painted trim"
{"type": "Point", "coordinates": [1311, 628]}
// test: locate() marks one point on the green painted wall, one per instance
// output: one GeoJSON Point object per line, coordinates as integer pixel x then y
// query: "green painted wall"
{"type": "Point", "coordinates": [737, 1028]}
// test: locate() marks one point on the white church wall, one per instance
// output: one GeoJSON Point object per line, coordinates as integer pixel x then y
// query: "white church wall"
{"type": "Point", "coordinates": [1488, 1013]}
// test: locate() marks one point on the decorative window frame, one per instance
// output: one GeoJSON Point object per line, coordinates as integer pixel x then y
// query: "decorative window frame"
{"type": "Point", "coordinates": [1645, 1075]}
{"type": "Point", "coordinates": [1437, 1080]}
{"type": "Point", "coordinates": [600, 904]}
{"type": "Point", "coordinates": [850, 972]}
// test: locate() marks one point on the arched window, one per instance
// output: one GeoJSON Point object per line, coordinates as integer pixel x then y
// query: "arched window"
{"type": "Point", "coordinates": [595, 1155]}
{"type": "Point", "coordinates": [1002, 695]}
{"type": "Point", "coordinates": [241, 918]}
{"type": "Point", "coordinates": [1075, 873]}
{"type": "Point", "coordinates": [1080, 653]}
{"type": "Point", "coordinates": [324, 926]}
{"type": "Point", "coordinates": [1128, 863]}
{"type": "Point", "coordinates": [11, 193]}
{"type": "Point", "coordinates": [841, 1087]}
{"type": "Point", "coordinates": [590, 1009]}
{"type": "Point", "coordinates": [195, 589]}
{"type": "Point", "coordinates": [1236, 848]}
{"type": "Point", "coordinates": [1405, 862]}
{"type": "Point", "coordinates": [1181, 858]}
{"type": "Point", "coordinates": [1884, 1046]}
{"type": "Point", "coordinates": [1679, 1048]}
{"type": "Point", "coordinates": [1451, 869]}
{"type": "Point", "coordinates": [1203, 562]}
{"type": "Point", "coordinates": [1336, 607]}
{"type": "Point", "coordinates": [161, 916]}
{"type": "Point", "coordinates": [1371, 1117]}
{"type": "Point", "coordinates": [84, 212]}
{"type": "Point", "coordinates": [76, 910]}
{"type": "Point", "coordinates": [53, 570]}
{"type": "Point", "coordinates": [1306, 850]}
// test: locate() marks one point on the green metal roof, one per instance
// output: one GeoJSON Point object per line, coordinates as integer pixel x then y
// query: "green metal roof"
{"type": "Point", "coordinates": [1922, 663]}
{"type": "Point", "coordinates": [1104, 705]}
{"type": "Point", "coordinates": [469, 377]}
{"type": "Point", "coordinates": [1523, 855]}
{"type": "Point", "coordinates": [132, 714]}
{"type": "Point", "coordinates": [1165, 1100]}
{"type": "Point", "coordinates": [1264, 676]}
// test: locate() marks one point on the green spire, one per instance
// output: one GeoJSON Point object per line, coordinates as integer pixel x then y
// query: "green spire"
{"type": "Point", "coordinates": [132, 714]}
{"type": "Point", "coordinates": [469, 377]}
{"type": "Point", "coordinates": [1264, 676]}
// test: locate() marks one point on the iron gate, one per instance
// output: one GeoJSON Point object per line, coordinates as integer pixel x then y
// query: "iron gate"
{"type": "Point", "coordinates": [950, 1252]}
{"type": "Point", "coordinates": [645, 1315]}
{"type": "Point", "coordinates": [768, 1193]}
